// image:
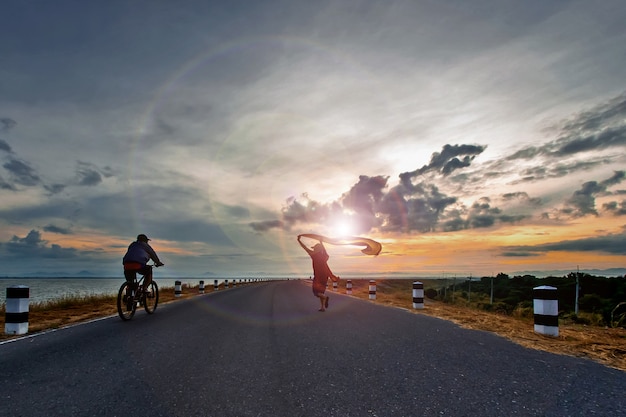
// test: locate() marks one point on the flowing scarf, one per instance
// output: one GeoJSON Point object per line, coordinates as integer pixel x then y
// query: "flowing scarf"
{"type": "Point", "coordinates": [371, 246]}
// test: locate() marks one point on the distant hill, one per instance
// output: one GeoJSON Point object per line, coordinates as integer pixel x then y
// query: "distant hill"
{"type": "Point", "coordinates": [610, 272]}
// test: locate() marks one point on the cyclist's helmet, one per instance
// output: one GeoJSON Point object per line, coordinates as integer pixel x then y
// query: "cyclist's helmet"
{"type": "Point", "coordinates": [142, 238]}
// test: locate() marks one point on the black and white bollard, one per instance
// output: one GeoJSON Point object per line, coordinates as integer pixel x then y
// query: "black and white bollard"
{"type": "Point", "coordinates": [334, 286]}
{"type": "Point", "coordinates": [16, 316]}
{"type": "Point", "coordinates": [201, 287]}
{"type": "Point", "coordinates": [225, 283]}
{"type": "Point", "coordinates": [418, 295]}
{"type": "Point", "coordinates": [215, 285]}
{"type": "Point", "coordinates": [546, 310]}
{"type": "Point", "coordinates": [349, 287]}
{"type": "Point", "coordinates": [178, 289]}
{"type": "Point", "coordinates": [372, 289]}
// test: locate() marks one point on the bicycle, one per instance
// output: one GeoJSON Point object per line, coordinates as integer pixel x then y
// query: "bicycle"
{"type": "Point", "coordinates": [130, 296]}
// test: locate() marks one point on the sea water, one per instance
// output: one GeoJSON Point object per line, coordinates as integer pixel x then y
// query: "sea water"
{"type": "Point", "coordinates": [49, 289]}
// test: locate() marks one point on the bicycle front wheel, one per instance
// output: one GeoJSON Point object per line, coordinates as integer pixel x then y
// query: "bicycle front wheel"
{"type": "Point", "coordinates": [126, 305]}
{"type": "Point", "coordinates": [151, 298]}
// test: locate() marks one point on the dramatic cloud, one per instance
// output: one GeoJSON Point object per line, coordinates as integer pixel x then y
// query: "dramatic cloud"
{"type": "Point", "coordinates": [446, 161]}
{"type": "Point", "coordinates": [22, 173]}
{"type": "Point", "coordinates": [583, 201]}
{"type": "Point", "coordinates": [236, 128]}
{"type": "Point", "coordinates": [32, 246]}
{"type": "Point", "coordinates": [408, 206]}
{"type": "Point", "coordinates": [600, 128]}
{"type": "Point", "coordinates": [612, 244]}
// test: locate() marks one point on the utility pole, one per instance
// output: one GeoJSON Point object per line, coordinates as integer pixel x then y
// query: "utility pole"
{"type": "Point", "coordinates": [577, 287]}
{"type": "Point", "coordinates": [453, 288]}
{"type": "Point", "coordinates": [445, 285]}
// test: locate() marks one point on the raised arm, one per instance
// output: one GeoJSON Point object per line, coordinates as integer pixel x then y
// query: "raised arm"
{"type": "Point", "coordinates": [309, 251]}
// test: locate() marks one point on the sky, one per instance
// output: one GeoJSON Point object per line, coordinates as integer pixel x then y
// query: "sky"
{"type": "Point", "coordinates": [469, 138]}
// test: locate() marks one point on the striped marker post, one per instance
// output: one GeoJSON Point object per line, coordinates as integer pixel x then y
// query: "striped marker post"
{"type": "Point", "coordinates": [334, 286]}
{"type": "Point", "coordinates": [215, 285]}
{"type": "Point", "coordinates": [418, 295]}
{"type": "Point", "coordinates": [16, 310]}
{"type": "Point", "coordinates": [201, 287]}
{"type": "Point", "coordinates": [178, 289]}
{"type": "Point", "coordinates": [349, 287]}
{"type": "Point", "coordinates": [372, 289]}
{"type": "Point", "coordinates": [226, 283]}
{"type": "Point", "coordinates": [546, 310]}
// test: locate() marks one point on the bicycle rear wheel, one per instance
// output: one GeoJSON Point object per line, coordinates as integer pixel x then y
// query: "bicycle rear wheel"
{"type": "Point", "coordinates": [151, 298]}
{"type": "Point", "coordinates": [126, 305]}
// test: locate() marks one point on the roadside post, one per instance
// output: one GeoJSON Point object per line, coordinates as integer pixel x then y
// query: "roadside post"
{"type": "Point", "coordinates": [16, 310]}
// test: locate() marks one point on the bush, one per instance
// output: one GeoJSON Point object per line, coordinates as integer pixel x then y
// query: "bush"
{"type": "Point", "coordinates": [431, 293]}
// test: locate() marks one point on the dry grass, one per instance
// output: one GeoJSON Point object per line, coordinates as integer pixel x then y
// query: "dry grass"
{"type": "Point", "coordinates": [601, 344]}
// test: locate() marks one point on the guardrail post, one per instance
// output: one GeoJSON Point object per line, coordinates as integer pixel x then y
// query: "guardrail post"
{"type": "Point", "coordinates": [546, 310]}
{"type": "Point", "coordinates": [349, 287]}
{"type": "Point", "coordinates": [201, 287]}
{"type": "Point", "coordinates": [418, 295]}
{"type": "Point", "coordinates": [372, 289]}
{"type": "Point", "coordinates": [16, 310]}
{"type": "Point", "coordinates": [178, 289]}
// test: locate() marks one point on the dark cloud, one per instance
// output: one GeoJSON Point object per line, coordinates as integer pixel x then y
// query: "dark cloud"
{"type": "Point", "coordinates": [615, 208]}
{"type": "Point", "coordinates": [451, 158]}
{"type": "Point", "coordinates": [612, 112]}
{"type": "Point", "coordinates": [612, 244]}
{"type": "Point", "coordinates": [59, 230]}
{"type": "Point", "coordinates": [600, 128]}
{"type": "Point", "coordinates": [266, 225]}
{"type": "Point", "coordinates": [611, 137]}
{"type": "Point", "coordinates": [32, 246]}
{"type": "Point", "coordinates": [6, 124]}
{"type": "Point", "coordinates": [521, 196]}
{"type": "Point", "coordinates": [519, 254]}
{"type": "Point", "coordinates": [88, 174]}
{"type": "Point", "coordinates": [416, 208]}
{"type": "Point", "coordinates": [583, 201]}
{"type": "Point", "coordinates": [22, 173]}
{"type": "Point", "coordinates": [54, 188]}
{"type": "Point", "coordinates": [482, 214]}
{"type": "Point", "coordinates": [5, 147]}
{"type": "Point", "coordinates": [363, 199]}
{"type": "Point", "coordinates": [4, 185]}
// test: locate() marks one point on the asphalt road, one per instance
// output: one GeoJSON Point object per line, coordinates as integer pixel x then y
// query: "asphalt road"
{"type": "Point", "coordinates": [265, 350]}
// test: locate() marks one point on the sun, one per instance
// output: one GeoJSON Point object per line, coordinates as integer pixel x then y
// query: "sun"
{"type": "Point", "coordinates": [343, 227]}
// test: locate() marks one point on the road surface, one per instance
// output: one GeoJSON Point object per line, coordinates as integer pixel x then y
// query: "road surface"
{"type": "Point", "coordinates": [265, 350]}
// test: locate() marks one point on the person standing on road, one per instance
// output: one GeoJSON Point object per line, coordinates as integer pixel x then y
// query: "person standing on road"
{"type": "Point", "coordinates": [136, 258]}
{"type": "Point", "coordinates": [321, 271]}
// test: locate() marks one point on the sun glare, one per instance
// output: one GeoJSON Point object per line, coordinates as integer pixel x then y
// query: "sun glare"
{"type": "Point", "coordinates": [343, 228]}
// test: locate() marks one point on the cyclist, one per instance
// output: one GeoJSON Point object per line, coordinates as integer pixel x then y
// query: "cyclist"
{"type": "Point", "coordinates": [136, 258]}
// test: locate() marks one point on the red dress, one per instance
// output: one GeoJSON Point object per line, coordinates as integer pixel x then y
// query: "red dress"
{"type": "Point", "coordinates": [321, 272]}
